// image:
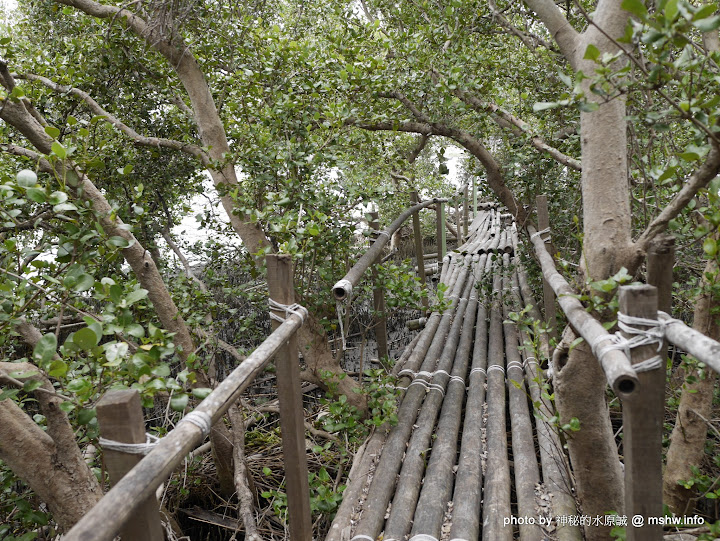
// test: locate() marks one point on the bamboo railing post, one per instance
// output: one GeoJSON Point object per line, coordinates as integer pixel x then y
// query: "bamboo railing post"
{"type": "Point", "coordinates": [643, 414]}
{"type": "Point", "coordinates": [418, 246]}
{"type": "Point", "coordinates": [120, 419]}
{"type": "Point", "coordinates": [441, 233]}
{"type": "Point", "coordinates": [292, 420]}
{"type": "Point", "coordinates": [548, 295]}
{"type": "Point", "coordinates": [379, 301]}
{"type": "Point", "coordinates": [465, 212]}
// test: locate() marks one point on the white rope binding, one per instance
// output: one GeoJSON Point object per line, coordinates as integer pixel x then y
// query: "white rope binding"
{"type": "Point", "coordinates": [341, 314]}
{"type": "Point", "coordinates": [200, 419]}
{"type": "Point", "coordinates": [538, 233]}
{"type": "Point", "coordinates": [288, 309]}
{"type": "Point", "coordinates": [130, 448]}
{"type": "Point", "coordinates": [654, 333]}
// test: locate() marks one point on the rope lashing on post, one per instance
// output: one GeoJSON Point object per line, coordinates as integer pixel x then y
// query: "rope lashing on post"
{"type": "Point", "coordinates": [289, 309]}
{"type": "Point", "coordinates": [200, 419]}
{"type": "Point", "coordinates": [653, 333]}
{"type": "Point", "coordinates": [130, 448]}
{"type": "Point", "coordinates": [542, 232]}
{"type": "Point", "coordinates": [341, 313]}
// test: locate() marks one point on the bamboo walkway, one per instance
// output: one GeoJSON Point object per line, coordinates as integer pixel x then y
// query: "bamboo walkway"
{"type": "Point", "coordinates": [473, 454]}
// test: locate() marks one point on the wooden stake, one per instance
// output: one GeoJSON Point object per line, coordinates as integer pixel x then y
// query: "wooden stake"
{"type": "Point", "coordinates": [418, 246]}
{"type": "Point", "coordinates": [548, 294]}
{"type": "Point", "coordinates": [643, 414]}
{"type": "Point", "coordinates": [379, 301]}
{"type": "Point", "coordinates": [474, 197]}
{"type": "Point", "coordinates": [441, 233]}
{"type": "Point", "coordinates": [120, 418]}
{"type": "Point", "coordinates": [292, 419]}
{"type": "Point", "coordinates": [660, 263]}
{"type": "Point", "coordinates": [465, 211]}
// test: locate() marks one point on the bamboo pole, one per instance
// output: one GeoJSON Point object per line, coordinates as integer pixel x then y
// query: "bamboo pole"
{"type": "Point", "coordinates": [703, 348]}
{"type": "Point", "coordinates": [496, 499]}
{"type": "Point", "coordinates": [120, 418]}
{"type": "Point", "coordinates": [292, 415]}
{"type": "Point", "coordinates": [541, 202]}
{"type": "Point", "coordinates": [413, 466]}
{"type": "Point", "coordinates": [103, 522]}
{"type": "Point", "coordinates": [417, 237]}
{"type": "Point", "coordinates": [383, 483]}
{"type": "Point", "coordinates": [437, 486]}
{"type": "Point", "coordinates": [343, 288]}
{"type": "Point", "coordinates": [526, 470]}
{"type": "Point", "coordinates": [467, 494]}
{"type": "Point", "coordinates": [643, 415]}
{"type": "Point", "coordinates": [379, 302]}
{"type": "Point", "coordinates": [555, 467]}
{"type": "Point", "coordinates": [617, 367]}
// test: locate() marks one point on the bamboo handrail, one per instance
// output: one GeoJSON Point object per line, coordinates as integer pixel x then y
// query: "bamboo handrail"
{"type": "Point", "coordinates": [702, 347]}
{"type": "Point", "coordinates": [616, 365]}
{"type": "Point", "coordinates": [343, 288]}
{"type": "Point", "coordinates": [103, 522]}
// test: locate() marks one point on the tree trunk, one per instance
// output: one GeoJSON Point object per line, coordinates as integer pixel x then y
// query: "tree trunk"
{"type": "Point", "coordinates": [687, 445]}
{"type": "Point", "coordinates": [50, 462]}
{"type": "Point", "coordinates": [580, 392]}
{"type": "Point", "coordinates": [323, 369]}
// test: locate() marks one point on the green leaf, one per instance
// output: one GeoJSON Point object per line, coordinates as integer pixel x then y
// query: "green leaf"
{"type": "Point", "coordinates": [162, 370]}
{"type": "Point", "coordinates": [57, 369]}
{"type": "Point", "coordinates": [115, 352]}
{"type": "Point", "coordinates": [710, 247]}
{"type": "Point", "coordinates": [85, 339]}
{"type": "Point", "coordinates": [26, 178]}
{"type": "Point", "coordinates": [31, 384]}
{"type": "Point", "coordinates": [201, 392]}
{"type": "Point", "coordinates": [636, 7]}
{"type": "Point", "coordinates": [179, 401]}
{"type": "Point", "coordinates": [592, 53]}
{"type": "Point", "coordinates": [671, 10]}
{"type": "Point", "coordinates": [117, 242]}
{"type": "Point", "coordinates": [588, 106]}
{"type": "Point", "coordinates": [64, 207]}
{"type": "Point", "coordinates": [59, 150]}
{"type": "Point", "coordinates": [542, 105]}
{"type": "Point", "coordinates": [57, 197]}
{"type": "Point", "coordinates": [705, 11]}
{"type": "Point", "coordinates": [136, 296]}
{"type": "Point", "coordinates": [138, 331]}
{"type": "Point", "coordinates": [84, 282]}
{"type": "Point", "coordinates": [52, 131]}
{"type": "Point", "coordinates": [84, 416]}
{"type": "Point", "coordinates": [36, 194]}
{"type": "Point", "coordinates": [707, 25]}
{"type": "Point", "coordinates": [46, 348]}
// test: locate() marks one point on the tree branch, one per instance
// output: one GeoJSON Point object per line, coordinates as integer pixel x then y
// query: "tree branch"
{"type": "Point", "coordinates": [495, 177]}
{"type": "Point", "coordinates": [506, 120]}
{"type": "Point", "coordinates": [562, 32]}
{"type": "Point", "coordinates": [208, 121]}
{"type": "Point", "coordinates": [698, 180]}
{"type": "Point", "coordinates": [96, 109]}
{"type": "Point", "coordinates": [512, 29]}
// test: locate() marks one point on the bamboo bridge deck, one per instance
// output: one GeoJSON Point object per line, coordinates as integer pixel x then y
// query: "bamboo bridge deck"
{"type": "Point", "coordinates": [473, 454]}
